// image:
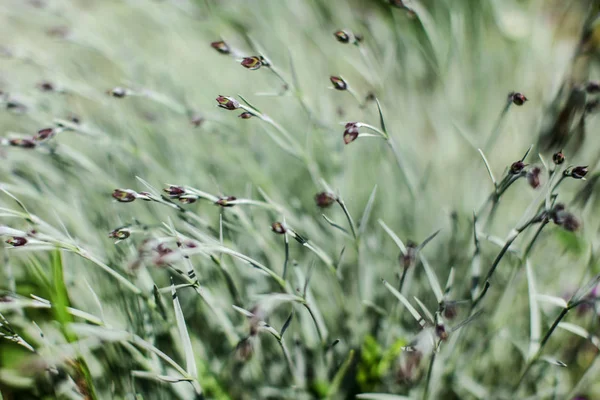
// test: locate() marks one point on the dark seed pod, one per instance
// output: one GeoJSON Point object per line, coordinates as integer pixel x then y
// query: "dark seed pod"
{"type": "Point", "coordinates": [517, 167]}
{"type": "Point", "coordinates": [252, 63]}
{"type": "Point", "coordinates": [17, 241]}
{"type": "Point", "coordinates": [174, 191]}
{"type": "Point", "coordinates": [120, 234]}
{"type": "Point", "coordinates": [351, 132]}
{"type": "Point", "coordinates": [558, 158]}
{"type": "Point", "coordinates": [117, 92]}
{"type": "Point", "coordinates": [517, 98]}
{"type": "Point", "coordinates": [245, 115]}
{"type": "Point", "coordinates": [592, 87]}
{"type": "Point", "coordinates": [579, 172]}
{"type": "Point", "coordinates": [440, 331]}
{"type": "Point", "coordinates": [338, 83]}
{"type": "Point", "coordinates": [278, 227]}
{"type": "Point", "coordinates": [44, 134]}
{"type": "Point", "coordinates": [221, 47]}
{"type": "Point", "coordinates": [45, 86]}
{"type": "Point", "coordinates": [124, 195]}
{"type": "Point", "coordinates": [227, 103]}
{"type": "Point", "coordinates": [533, 177]}
{"type": "Point", "coordinates": [324, 199]}
{"type": "Point", "coordinates": [188, 199]}
{"type": "Point", "coordinates": [23, 143]}
{"type": "Point", "coordinates": [342, 36]}
{"type": "Point", "coordinates": [225, 201]}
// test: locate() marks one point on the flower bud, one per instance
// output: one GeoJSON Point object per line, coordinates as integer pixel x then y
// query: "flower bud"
{"type": "Point", "coordinates": [342, 36]}
{"type": "Point", "coordinates": [579, 172]}
{"type": "Point", "coordinates": [17, 241]}
{"type": "Point", "coordinates": [252, 63]}
{"type": "Point", "coordinates": [440, 331]}
{"type": "Point", "coordinates": [407, 259]}
{"type": "Point", "coordinates": [278, 227]}
{"type": "Point", "coordinates": [124, 195]}
{"type": "Point", "coordinates": [224, 201]}
{"type": "Point", "coordinates": [338, 83]}
{"type": "Point", "coordinates": [517, 167]}
{"type": "Point", "coordinates": [23, 143]}
{"type": "Point", "coordinates": [450, 311]}
{"type": "Point", "coordinates": [351, 132]}
{"type": "Point", "coordinates": [533, 177]}
{"type": "Point", "coordinates": [245, 115]}
{"type": "Point", "coordinates": [564, 219]}
{"type": "Point", "coordinates": [227, 103]}
{"type": "Point", "coordinates": [221, 47]}
{"type": "Point", "coordinates": [558, 158]}
{"type": "Point", "coordinates": [324, 199]}
{"type": "Point", "coordinates": [517, 98]}
{"type": "Point", "coordinates": [174, 191]}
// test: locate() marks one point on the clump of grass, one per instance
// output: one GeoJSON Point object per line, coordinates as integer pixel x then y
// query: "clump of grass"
{"type": "Point", "coordinates": [156, 246]}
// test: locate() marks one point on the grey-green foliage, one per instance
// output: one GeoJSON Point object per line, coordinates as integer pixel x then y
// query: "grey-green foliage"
{"type": "Point", "coordinates": [441, 72]}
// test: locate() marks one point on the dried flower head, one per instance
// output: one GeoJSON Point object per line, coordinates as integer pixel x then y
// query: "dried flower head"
{"type": "Point", "coordinates": [227, 103]}
{"type": "Point", "coordinates": [23, 143]}
{"type": "Point", "coordinates": [351, 132]}
{"type": "Point", "coordinates": [324, 199]}
{"type": "Point", "coordinates": [558, 158]}
{"type": "Point", "coordinates": [440, 331]}
{"type": "Point", "coordinates": [338, 83]}
{"type": "Point", "coordinates": [517, 167]}
{"type": "Point", "coordinates": [450, 310]}
{"type": "Point", "coordinates": [563, 218]}
{"type": "Point", "coordinates": [579, 172]}
{"type": "Point", "coordinates": [252, 63]}
{"type": "Point", "coordinates": [225, 201]}
{"type": "Point", "coordinates": [221, 47]}
{"type": "Point", "coordinates": [533, 177]}
{"type": "Point", "coordinates": [120, 234]}
{"type": "Point", "coordinates": [407, 259]}
{"type": "Point", "coordinates": [342, 36]}
{"type": "Point", "coordinates": [174, 191]}
{"type": "Point", "coordinates": [278, 227]}
{"type": "Point", "coordinates": [124, 195]}
{"type": "Point", "coordinates": [517, 98]}
{"type": "Point", "coordinates": [245, 115]}
{"type": "Point", "coordinates": [17, 241]}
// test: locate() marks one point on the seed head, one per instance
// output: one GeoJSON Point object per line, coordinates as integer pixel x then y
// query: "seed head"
{"type": "Point", "coordinates": [558, 158]}
{"type": "Point", "coordinates": [517, 98]}
{"type": "Point", "coordinates": [533, 177]}
{"type": "Point", "coordinates": [228, 103]}
{"type": "Point", "coordinates": [440, 331]}
{"type": "Point", "coordinates": [221, 47]}
{"type": "Point", "coordinates": [342, 36]}
{"type": "Point", "coordinates": [351, 132]}
{"type": "Point", "coordinates": [225, 201]}
{"type": "Point", "coordinates": [245, 115]}
{"type": "Point", "coordinates": [517, 167]}
{"type": "Point", "coordinates": [188, 199]}
{"type": "Point", "coordinates": [278, 227]}
{"type": "Point", "coordinates": [338, 83]}
{"type": "Point", "coordinates": [579, 172]}
{"type": "Point", "coordinates": [17, 241]}
{"type": "Point", "coordinates": [124, 195]}
{"type": "Point", "coordinates": [324, 199]}
{"type": "Point", "coordinates": [252, 63]}
{"type": "Point", "coordinates": [407, 259]}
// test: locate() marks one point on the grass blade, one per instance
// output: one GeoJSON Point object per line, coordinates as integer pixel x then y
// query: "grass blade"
{"type": "Point", "coordinates": [534, 313]}
{"type": "Point", "coordinates": [184, 335]}
{"type": "Point", "coordinates": [367, 213]}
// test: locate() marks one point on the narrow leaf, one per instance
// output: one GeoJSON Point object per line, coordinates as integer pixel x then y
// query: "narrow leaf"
{"type": "Point", "coordinates": [487, 166]}
{"type": "Point", "coordinates": [381, 119]}
{"type": "Point", "coordinates": [406, 303]}
{"type": "Point", "coordinates": [534, 313]}
{"type": "Point", "coordinates": [557, 301]}
{"type": "Point", "coordinates": [433, 281]}
{"type": "Point", "coordinates": [185, 337]}
{"type": "Point", "coordinates": [367, 213]}
{"type": "Point", "coordinates": [394, 237]}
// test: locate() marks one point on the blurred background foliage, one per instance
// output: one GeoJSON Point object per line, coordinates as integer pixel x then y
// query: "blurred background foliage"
{"type": "Point", "coordinates": [441, 70]}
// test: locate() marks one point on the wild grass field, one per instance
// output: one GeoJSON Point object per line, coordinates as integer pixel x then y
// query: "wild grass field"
{"type": "Point", "coordinates": [299, 199]}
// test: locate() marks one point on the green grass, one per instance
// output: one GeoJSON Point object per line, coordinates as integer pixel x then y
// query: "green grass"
{"type": "Point", "coordinates": [362, 298]}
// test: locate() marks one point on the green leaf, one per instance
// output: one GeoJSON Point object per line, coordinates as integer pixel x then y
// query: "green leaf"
{"type": "Point", "coordinates": [367, 213]}
{"type": "Point", "coordinates": [184, 335]}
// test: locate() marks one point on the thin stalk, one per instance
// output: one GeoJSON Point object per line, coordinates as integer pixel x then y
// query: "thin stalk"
{"type": "Point", "coordinates": [307, 306]}
{"type": "Point", "coordinates": [429, 373]}
{"type": "Point", "coordinates": [348, 217]}
{"type": "Point", "coordinates": [496, 131]}
{"type": "Point", "coordinates": [562, 314]}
